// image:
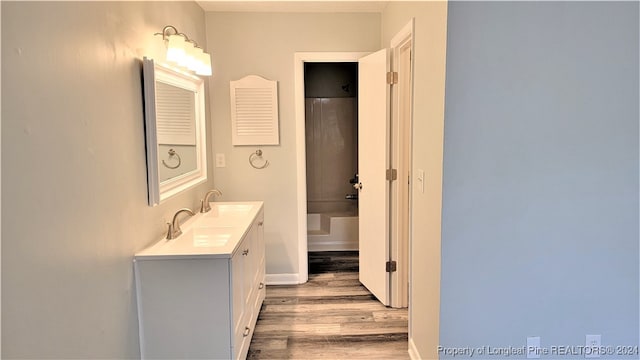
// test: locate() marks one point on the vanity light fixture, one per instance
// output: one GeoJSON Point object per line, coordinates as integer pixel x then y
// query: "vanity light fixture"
{"type": "Point", "coordinates": [185, 52]}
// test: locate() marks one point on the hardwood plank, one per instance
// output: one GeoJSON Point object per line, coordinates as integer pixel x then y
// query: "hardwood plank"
{"type": "Point", "coordinates": [318, 299]}
{"type": "Point", "coordinates": [270, 342]}
{"type": "Point", "coordinates": [333, 261]}
{"type": "Point", "coordinates": [388, 346]}
{"type": "Point", "coordinates": [391, 315]}
{"type": "Point", "coordinates": [335, 318]}
{"type": "Point", "coordinates": [332, 316]}
{"type": "Point", "coordinates": [298, 329]}
{"type": "Point", "coordinates": [343, 308]}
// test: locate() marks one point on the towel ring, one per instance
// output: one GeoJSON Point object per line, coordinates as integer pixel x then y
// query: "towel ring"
{"type": "Point", "coordinates": [258, 154]}
{"type": "Point", "coordinates": [171, 154]}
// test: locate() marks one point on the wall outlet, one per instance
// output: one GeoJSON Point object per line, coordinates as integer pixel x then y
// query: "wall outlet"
{"type": "Point", "coordinates": [592, 346]}
{"type": "Point", "coordinates": [533, 347]}
{"type": "Point", "coordinates": [220, 160]}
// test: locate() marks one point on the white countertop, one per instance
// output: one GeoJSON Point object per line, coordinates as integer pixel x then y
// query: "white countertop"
{"type": "Point", "coordinates": [215, 234]}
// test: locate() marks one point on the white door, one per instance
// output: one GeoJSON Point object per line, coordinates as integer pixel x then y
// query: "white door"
{"type": "Point", "coordinates": [373, 162]}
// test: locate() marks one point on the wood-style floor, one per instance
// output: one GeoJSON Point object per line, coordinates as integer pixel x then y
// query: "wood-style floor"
{"type": "Point", "coordinates": [332, 316]}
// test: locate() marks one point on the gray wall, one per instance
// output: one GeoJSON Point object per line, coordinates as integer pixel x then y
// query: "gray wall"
{"type": "Point", "coordinates": [540, 201]}
{"type": "Point", "coordinates": [74, 192]}
{"type": "Point", "coordinates": [265, 44]}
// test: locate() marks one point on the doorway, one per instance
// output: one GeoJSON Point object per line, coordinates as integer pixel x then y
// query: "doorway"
{"type": "Point", "coordinates": [301, 157]}
{"type": "Point", "coordinates": [396, 281]}
{"type": "Point", "coordinates": [331, 144]}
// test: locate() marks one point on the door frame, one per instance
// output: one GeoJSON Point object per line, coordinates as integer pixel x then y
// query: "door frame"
{"type": "Point", "coordinates": [301, 166]}
{"type": "Point", "coordinates": [400, 237]}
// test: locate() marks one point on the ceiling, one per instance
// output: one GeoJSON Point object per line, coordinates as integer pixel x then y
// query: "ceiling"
{"type": "Point", "coordinates": [293, 6]}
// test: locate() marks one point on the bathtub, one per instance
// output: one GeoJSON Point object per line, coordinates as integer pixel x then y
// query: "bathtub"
{"type": "Point", "coordinates": [333, 231]}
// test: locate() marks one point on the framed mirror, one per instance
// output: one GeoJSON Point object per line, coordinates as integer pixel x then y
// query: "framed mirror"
{"type": "Point", "coordinates": [175, 130]}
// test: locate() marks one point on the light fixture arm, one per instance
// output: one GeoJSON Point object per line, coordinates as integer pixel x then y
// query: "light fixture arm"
{"type": "Point", "coordinates": [172, 30]}
{"type": "Point", "coordinates": [196, 60]}
{"type": "Point", "coordinates": [165, 32]}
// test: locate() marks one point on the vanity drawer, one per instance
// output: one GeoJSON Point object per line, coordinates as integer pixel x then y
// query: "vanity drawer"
{"type": "Point", "coordinates": [242, 339]}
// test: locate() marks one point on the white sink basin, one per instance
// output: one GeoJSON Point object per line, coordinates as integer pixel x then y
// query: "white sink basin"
{"type": "Point", "coordinates": [209, 237]}
{"type": "Point", "coordinates": [212, 234]}
{"type": "Point", "coordinates": [229, 210]}
{"type": "Point", "coordinates": [202, 237]}
{"type": "Point", "coordinates": [232, 208]}
{"type": "Point", "coordinates": [228, 214]}
{"type": "Point", "coordinates": [198, 239]}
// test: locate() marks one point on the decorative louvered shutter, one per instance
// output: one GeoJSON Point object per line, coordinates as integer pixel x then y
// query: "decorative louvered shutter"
{"type": "Point", "coordinates": [175, 115]}
{"type": "Point", "coordinates": [254, 111]}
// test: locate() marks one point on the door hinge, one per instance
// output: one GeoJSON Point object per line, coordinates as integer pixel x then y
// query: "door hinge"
{"type": "Point", "coordinates": [392, 174]}
{"type": "Point", "coordinates": [392, 77]}
{"type": "Point", "coordinates": [391, 266]}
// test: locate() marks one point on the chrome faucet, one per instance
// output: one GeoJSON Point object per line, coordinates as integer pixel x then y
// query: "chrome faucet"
{"type": "Point", "coordinates": [174, 226]}
{"type": "Point", "coordinates": [204, 203]}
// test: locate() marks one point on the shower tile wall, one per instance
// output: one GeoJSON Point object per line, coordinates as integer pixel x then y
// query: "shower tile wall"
{"type": "Point", "coordinates": [332, 158]}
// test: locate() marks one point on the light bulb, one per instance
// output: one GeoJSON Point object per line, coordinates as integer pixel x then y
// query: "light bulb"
{"type": "Point", "coordinates": [176, 49]}
{"type": "Point", "coordinates": [205, 65]}
{"type": "Point", "coordinates": [196, 60]}
{"type": "Point", "coordinates": [188, 55]}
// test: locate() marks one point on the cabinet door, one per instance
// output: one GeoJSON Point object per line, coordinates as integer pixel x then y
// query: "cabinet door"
{"type": "Point", "coordinates": [248, 285]}
{"type": "Point", "coordinates": [250, 266]}
{"type": "Point", "coordinates": [260, 251]}
{"type": "Point", "coordinates": [244, 327]}
{"type": "Point", "coordinates": [237, 291]}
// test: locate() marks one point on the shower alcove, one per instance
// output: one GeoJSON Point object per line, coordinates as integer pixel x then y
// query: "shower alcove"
{"type": "Point", "coordinates": [331, 138]}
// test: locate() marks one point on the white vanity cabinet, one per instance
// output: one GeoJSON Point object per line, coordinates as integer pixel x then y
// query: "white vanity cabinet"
{"type": "Point", "coordinates": [199, 295]}
{"type": "Point", "coordinates": [247, 286]}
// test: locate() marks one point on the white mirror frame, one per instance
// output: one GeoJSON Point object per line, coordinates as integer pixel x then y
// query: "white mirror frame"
{"type": "Point", "coordinates": [152, 73]}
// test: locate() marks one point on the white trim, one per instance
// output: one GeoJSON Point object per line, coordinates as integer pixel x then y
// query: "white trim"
{"type": "Point", "coordinates": [282, 279]}
{"type": "Point", "coordinates": [301, 166]}
{"type": "Point", "coordinates": [157, 72]}
{"type": "Point", "coordinates": [403, 34]}
{"type": "Point", "coordinates": [399, 249]}
{"type": "Point", "coordinates": [413, 351]}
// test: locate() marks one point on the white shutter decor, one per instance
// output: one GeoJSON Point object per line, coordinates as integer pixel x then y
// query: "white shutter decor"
{"type": "Point", "coordinates": [254, 111]}
{"type": "Point", "coordinates": [175, 115]}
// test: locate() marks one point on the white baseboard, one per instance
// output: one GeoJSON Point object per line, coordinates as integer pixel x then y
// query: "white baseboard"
{"type": "Point", "coordinates": [413, 352]}
{"type": "Point", "coordinates": [282, 279]}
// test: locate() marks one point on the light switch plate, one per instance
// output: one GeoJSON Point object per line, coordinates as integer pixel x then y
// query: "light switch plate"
{"type": "Point", "coordinates": [220, 160]}
{"type": "Point", "coordinates": [421, 180]}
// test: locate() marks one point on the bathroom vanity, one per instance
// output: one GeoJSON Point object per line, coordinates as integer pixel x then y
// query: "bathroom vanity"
{"type": "Point", "coordinates": [199, 295]}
